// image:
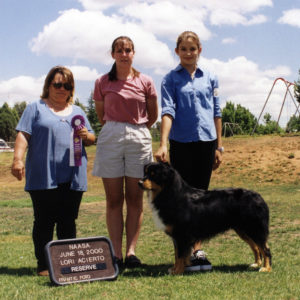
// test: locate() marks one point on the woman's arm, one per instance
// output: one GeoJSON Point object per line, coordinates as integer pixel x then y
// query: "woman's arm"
{"type": "Point", "coordinates": [218, 155]}
{"type": "Point", "coordinates": [18, 168]}
{"type": "Point", "coordinates": [152, 111]}
{"type": "Point", "coordinates": [166, 124]}
{"type": "Point", "coordinates": [99, 106]}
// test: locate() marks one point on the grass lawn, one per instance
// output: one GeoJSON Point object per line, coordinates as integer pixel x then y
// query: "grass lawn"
{"type": "Point", "coordinates": [230, 278]}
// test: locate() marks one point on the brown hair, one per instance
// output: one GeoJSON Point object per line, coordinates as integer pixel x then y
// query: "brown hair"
{"type": "Point", "coordinates": [186, 35]}
{"type": "Point", "coordinates": [112, 75]}
{"type": "Point", "coordinates": [66, 73]}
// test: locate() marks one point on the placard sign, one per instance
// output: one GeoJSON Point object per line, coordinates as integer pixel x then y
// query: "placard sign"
{"type": "Point", "coordinates": [79, 260]}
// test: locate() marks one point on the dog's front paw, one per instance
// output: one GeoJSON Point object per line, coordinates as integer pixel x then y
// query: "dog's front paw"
{"type": "Point", "coordinates": [264, 269]}
{"type": "Point", "coordinates": [175, 271]}
{"type": "Point", "coordinates": [254, 266]}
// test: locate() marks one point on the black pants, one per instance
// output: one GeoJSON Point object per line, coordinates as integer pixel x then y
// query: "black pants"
{"type": "Point", "coordinates": [194, 161]}
{"type": "Point", "coordinates": [58, 206]}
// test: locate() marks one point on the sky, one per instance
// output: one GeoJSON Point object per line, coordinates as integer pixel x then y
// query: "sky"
{"type": "Point", "coordinates": [246, 44]}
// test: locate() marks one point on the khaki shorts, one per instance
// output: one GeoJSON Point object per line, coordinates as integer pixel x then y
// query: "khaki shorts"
{"type": "Point", "coordinates": [122, 150]}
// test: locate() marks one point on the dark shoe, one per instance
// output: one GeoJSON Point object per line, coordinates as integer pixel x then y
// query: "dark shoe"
{"type": "Point", "coordinates": [132, 261]}
{"type": "Point", "coordinates": [119, 262]}
{"type": "Point", "coordinates": [199, 262]}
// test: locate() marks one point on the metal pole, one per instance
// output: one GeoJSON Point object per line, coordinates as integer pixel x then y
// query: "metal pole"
{"type": "Point", "coordinates": [265, 104]}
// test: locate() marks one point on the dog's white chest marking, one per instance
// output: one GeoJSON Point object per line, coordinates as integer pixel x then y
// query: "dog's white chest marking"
{"type": "Point", "coordinates": [157, 221]}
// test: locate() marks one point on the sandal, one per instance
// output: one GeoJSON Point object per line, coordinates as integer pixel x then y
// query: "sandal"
{"type": "Point", "coordinates": [132, 261]}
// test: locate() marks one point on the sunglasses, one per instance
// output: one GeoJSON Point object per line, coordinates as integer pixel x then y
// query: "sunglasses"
{"type": "Point", "coordinates": [58, 85]}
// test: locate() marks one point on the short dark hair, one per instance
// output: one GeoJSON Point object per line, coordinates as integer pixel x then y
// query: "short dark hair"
{"type": "Point", "coordinates": [66, 73]}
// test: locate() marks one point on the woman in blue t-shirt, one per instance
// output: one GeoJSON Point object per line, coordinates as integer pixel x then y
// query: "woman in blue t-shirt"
{"type": "Point", "coordinates": [56, 163]}
{"type": "Point", "coordinates": [191, 119]}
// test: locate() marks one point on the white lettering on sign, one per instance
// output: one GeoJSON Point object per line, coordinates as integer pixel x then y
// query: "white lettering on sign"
{"type": "Point", "coordinates": [67, 254]}
{"type": "Point", "coordinates": [68, 279]}
{"type": "Point", "coordinates": [79, 246]}
{"type": "Point", "coordinates": [83, 268]}
{"type": "Point", "coordinates": [94, 251]}
{"type": "Point", "coordinates": [66, 262]}
{"type": "Point", "coordinates": [90, 259]}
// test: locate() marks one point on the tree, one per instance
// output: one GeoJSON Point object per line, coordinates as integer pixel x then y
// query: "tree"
{"type": "Point", "coordinates": [19, 107]}
{"type": "Point", "coordinates": [270, 126]}
{"type": "Point", "coordinates": [238, 115]}
{"type": "Point", "coordinates": [92, 115]}
{"type": "Point", "coordinates": [78, 103]}
{"type": "Point", "coordinates": [293, 124]}
{"type": "Point", "coordinates": [8, 123]}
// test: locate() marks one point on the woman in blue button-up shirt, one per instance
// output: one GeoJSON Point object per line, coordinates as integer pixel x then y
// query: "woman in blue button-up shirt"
{"type": "Point", "coordinates": [191, 119]}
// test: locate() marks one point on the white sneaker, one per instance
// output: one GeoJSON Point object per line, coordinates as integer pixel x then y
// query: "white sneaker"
{"type": "Point", "coordinates": [199, 262]}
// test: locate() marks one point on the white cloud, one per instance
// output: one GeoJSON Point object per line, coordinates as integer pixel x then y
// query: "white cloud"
{"type": "Point", "coordinates": [21, 88]}
{"type": "Point", "coordinates": [226, 17]}
{"type": "Point", "coordinates": [229, 12]}
{"type": "Point", "coordinates": [256, 19]}
{"type": "Point", "coordinates": [176, 16]}
{"type": "Point", "coordinates": [99, 4]}
{"type": "Point", "coordinates": [243, 82]}
{"type": "Point", "coordinates": [279, 71]}
{"type": "Point", "coordinates": [229, 41]}
{"type": "Point", "coordinates": [92, 40]}
{"type": "Point", "coordinates": [291, 17]}
{"type": "Point", "coordinates": [236, 5]}
{"type": "Point", "coordinates": [88, 34]}
{"type": "Point", "coordinates": [167, 19]}
{"type": "Point", "coordinates": [242, 7]}
{"type": "Point", "coordinates": [83, 73]}
{"type": "Point", "coordinates": [231, 17]}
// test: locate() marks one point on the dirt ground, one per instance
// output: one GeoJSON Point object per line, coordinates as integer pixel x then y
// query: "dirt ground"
{"type": "Point", "coordinates": [265, 159]}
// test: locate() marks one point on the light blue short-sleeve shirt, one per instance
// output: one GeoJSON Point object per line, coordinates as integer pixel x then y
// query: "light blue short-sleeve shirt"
{"type": "Point", "coordinates": [48, 156]}
{"type": "Point", "coordinates": [192, 103]}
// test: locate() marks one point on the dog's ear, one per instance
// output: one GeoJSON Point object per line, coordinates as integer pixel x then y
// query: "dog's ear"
{"type": "Point", "coordinates": [166, 163]}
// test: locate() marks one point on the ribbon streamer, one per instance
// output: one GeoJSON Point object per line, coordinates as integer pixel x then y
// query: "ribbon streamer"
{"type": "Point", "coordinates": [77, 123]}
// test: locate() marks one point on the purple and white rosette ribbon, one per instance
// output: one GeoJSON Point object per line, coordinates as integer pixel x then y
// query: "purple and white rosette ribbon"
{"type": "Point", "coordinates": [77, 123]}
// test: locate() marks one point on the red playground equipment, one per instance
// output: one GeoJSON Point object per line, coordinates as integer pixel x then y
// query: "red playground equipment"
{"type": "Point", "coordinates": [288, 85]}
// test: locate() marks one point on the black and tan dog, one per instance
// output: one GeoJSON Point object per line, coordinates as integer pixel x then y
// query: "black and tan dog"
{"type": "Point", "coordinates": [190, 215]}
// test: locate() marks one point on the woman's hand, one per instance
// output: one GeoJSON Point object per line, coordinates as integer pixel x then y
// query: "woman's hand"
{"type": "Point", "coordinates": [161, 154]}
{"type": "Point", "coordinates": [87, 137]}
{"type": "Point", "coordinates": [18, 169]}
{"type": "Point", "coordinates": [218, 160]}
{"type": "Point", "coordinates": [83, 133]}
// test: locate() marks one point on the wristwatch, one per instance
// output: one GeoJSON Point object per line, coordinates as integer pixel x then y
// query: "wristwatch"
{"type": "Point", "coordinates": [221, 149]}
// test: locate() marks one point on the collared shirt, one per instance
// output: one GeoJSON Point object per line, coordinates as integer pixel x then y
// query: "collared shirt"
{"type": "Point", "coordinates": [47, 160]}
{"type": "Point", "coordinates": [192, 103]}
